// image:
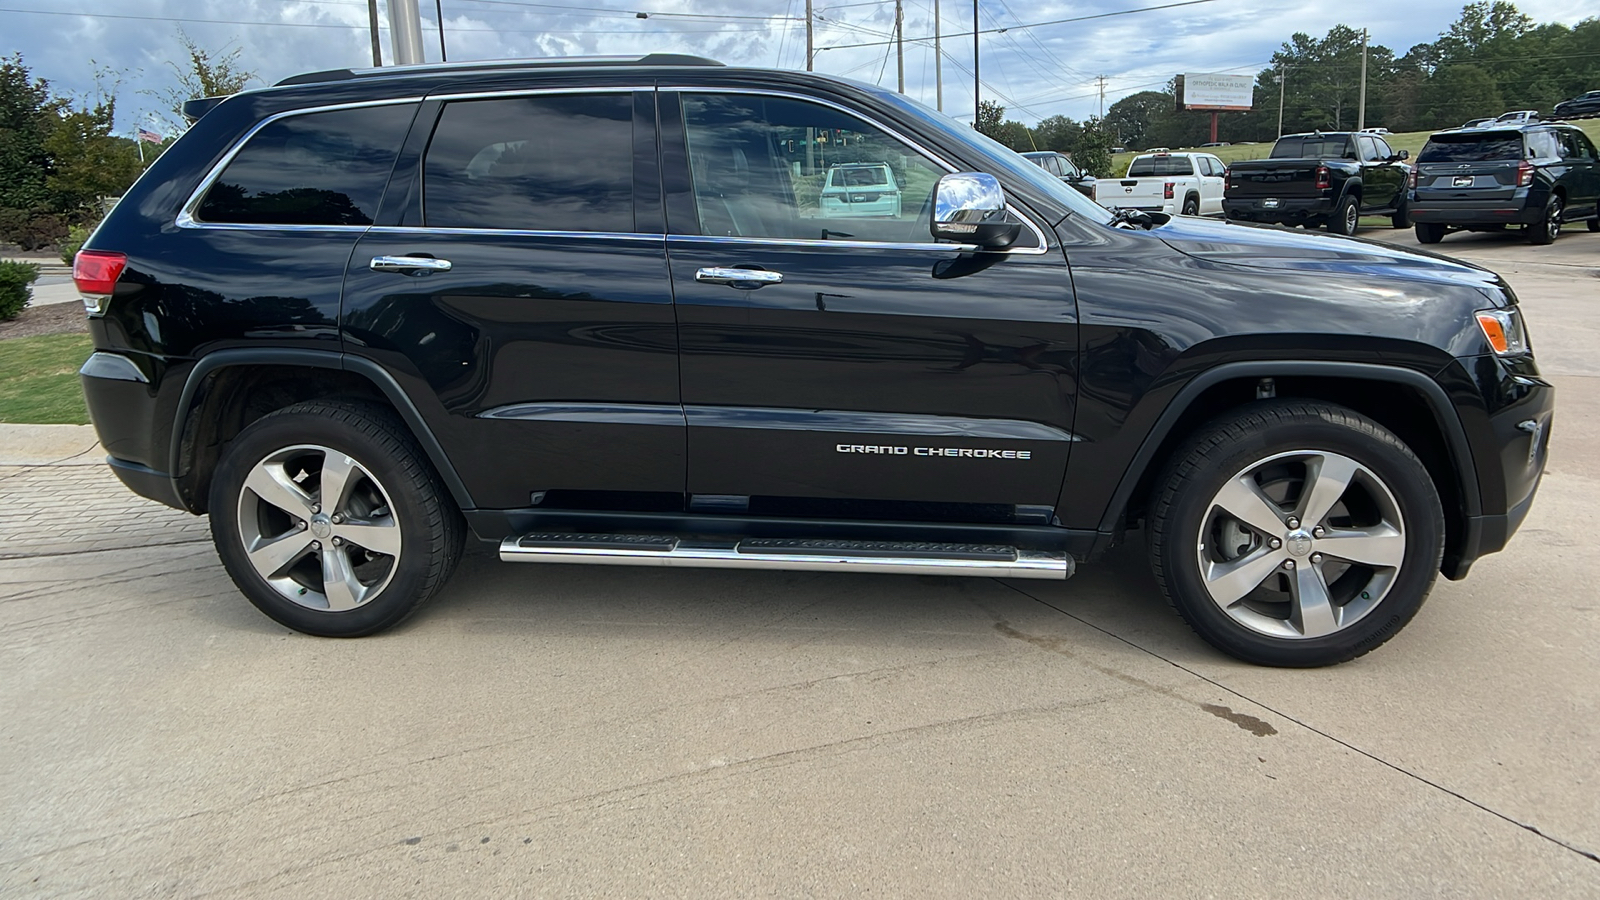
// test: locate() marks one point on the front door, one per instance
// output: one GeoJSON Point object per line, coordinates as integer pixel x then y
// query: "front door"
{"type": "Point", "coordinates": [835, 359]}
{"type": "Point", "coordinates": [524, 299]}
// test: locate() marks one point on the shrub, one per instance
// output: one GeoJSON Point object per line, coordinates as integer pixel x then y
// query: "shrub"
{"type": "Point", "coordinates": [76, 236]}
{"type": "Point", "coordinates": [31, 229]}
{"type": "Point", "coordinates": [16, 290]}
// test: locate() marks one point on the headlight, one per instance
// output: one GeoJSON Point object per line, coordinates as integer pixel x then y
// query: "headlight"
{"type": "Point", "coordinates": [1503, 329]}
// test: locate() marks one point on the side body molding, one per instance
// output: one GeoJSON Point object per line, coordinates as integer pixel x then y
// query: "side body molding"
{"type": "Point", "coordinates": [1444, 413]}
{"type": "Point", "coordinates": [320, 359]}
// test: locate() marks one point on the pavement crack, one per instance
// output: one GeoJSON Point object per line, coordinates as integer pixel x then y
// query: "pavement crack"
{"type": "Point", "coordinates": [1590, 855]}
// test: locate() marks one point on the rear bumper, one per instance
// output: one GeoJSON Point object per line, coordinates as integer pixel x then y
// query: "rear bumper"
{"type": "Point", "coordinates": [1515, 211]}
{"type": "Point", "coordinates": [1288, 209]}
{"type": "Point", "coordinates": [146, 482]}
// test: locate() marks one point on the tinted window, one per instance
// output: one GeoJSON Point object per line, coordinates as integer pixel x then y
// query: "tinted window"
{"type": "Point", "coordinates": [554, 163]}
{"type": "Point", "coordinates": [1310, 148]}
{"type": "Point", "coordinates": [779, 168]}
{"type": "Point", "coordinates": [1489, 147]}
{"type": "Point", "coordinates": [1384, 150]}
{"type": "Point", "coordinates": [325, 168]}
{"type": "Point", "coordinates": [1160, 165]}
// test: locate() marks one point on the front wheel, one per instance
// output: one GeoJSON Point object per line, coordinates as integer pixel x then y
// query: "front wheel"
{"type": "Point", "coordinates": [1296, 534]}
{"type": "Point", "coordinates": [1346, 217]}
{"type": "Point", "coordinates": [1546, 231]}
{"type": "Point", "coordinates": [330, 519]}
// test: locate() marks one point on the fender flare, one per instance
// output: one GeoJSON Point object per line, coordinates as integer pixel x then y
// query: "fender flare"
{"type": "Point", "coordinates": [1444, 412]}
{"type": "Point", "coordinates": [320, 359]}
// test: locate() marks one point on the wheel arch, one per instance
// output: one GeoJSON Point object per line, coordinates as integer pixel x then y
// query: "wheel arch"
{"type": "Point", "coordinates": [1419, 413]}
{"type": "Point", "coordinates": [228, 389]}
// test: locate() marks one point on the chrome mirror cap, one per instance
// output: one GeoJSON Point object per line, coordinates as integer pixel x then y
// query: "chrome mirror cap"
{"type": "Point", "coordinates": [970, 207]}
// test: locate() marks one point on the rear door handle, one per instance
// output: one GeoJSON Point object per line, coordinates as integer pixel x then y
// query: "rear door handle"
{"type": "Point", "coordinates": [421, 265]}
{"type": "Point", "coordinates": [739, 278]}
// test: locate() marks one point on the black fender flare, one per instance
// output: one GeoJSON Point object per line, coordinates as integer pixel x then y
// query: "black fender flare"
{"type": "Point", "coordinates": [321, 359]}
{"type": "Point", "coordinates": [1444, 412]}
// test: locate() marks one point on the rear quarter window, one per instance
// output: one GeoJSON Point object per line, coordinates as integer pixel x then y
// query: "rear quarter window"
{"type": "Point", "coordinates": [322, 168]}
{"type": "Point", "coordinates": [1491, 147]}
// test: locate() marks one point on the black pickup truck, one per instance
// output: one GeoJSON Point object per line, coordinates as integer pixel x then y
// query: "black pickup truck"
{"type": "Point", "coordinates": [1321, 179]}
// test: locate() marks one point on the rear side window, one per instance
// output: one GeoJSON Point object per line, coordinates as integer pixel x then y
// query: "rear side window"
{"type": "Point", "coordinates": [1160, 165]}
{"type": "Point", "coordinates": [562, 162]}
{"type": "Point", "coordinates": [326, 168]}
{"type": "Point", "coordinates": [1490, 147]}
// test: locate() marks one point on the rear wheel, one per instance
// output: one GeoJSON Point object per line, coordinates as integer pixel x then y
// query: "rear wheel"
{"type": "Point", "coordinates": [1429, 232]}
{"type": "Point", "coordinates": [1296, 534]}
{"type": "Point", "coordinates": [1546, 231]}
{"type": "Point", "coordinates": [1594, 224]}
{"type": "Point", "coordinates": [1346, 217]}
{"type": "Point", "coordinates": [330, 519]}
{"type": "Point", "coordinates": [1191, 206]}
{"type": "Point", "coordinates": [1402, 216]}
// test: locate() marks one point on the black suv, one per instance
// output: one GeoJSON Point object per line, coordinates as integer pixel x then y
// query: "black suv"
{"type": "Point", "coordinates": [1061, 166]}
{"type": "Point", "coordinates": [1537, 175]}
{"type": "Point", "coordinates": [592, 312]}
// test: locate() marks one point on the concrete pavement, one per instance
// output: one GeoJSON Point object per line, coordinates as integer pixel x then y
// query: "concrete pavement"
{"type": "Point", "coordinates": [565, 730]}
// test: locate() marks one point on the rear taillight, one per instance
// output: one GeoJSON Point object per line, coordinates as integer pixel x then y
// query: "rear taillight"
{"type": "Point", "coordinates": [1524, 174]}
{"type": "Point", "coordinates": [95, 272]}
{"type": "Point", "coordinates": [1322, 178]}
{"type": "Point", "coordinates": [1413, 179]}
{"type": "Point", "coordinates": [1166, 191]}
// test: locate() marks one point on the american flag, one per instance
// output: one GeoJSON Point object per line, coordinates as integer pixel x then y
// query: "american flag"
{"type": "Point", "coordinates": [149, 136]}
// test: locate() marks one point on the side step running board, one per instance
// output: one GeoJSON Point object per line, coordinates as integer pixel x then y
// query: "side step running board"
{"type": "Point", "coordinates": [892, 557]}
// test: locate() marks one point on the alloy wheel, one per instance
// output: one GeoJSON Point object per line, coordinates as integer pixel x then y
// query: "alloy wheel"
{"type": "Point", "coordinates": [1301, 544]}
{"type": "Point", "coordinates": [318, 527]}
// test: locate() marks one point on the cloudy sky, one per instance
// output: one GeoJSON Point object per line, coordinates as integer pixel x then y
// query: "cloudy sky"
{"type": "Point", "coordinates": [1035, 71]}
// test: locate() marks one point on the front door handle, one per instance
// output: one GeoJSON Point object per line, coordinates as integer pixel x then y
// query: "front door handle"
{"type": "Point", "coordinates": [420, 265]}
{"type": "Point", "coordinates": [739, 278]}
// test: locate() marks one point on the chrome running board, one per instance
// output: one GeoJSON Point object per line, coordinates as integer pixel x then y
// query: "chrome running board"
{"type": "Point", "coordinates": [890, 557]}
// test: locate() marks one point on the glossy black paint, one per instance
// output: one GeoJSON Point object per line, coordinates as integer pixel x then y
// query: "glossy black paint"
{"type": "Point", "coordinates": [1379, 181]}
{"type": "Point", "coordinates": [550, 362]}
{"type": "Point", "coordinates": [1575, 179]}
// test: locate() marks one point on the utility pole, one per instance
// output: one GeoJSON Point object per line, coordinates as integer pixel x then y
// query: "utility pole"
{"type": "Point", "coordinates": [810, 50]}
{"type": "Point", "coordinates": [438, 12]}
{"type": "Point", "coordinates": [900, 42]}
{"type": "Point", "coordinates": [405, 32]}
{"type": "Point", "coordinates": [1361, 113]}
{"type": "Point", "coordinates": [976, 105]}
{"type": "Point", "coordinates": [1283, 74]}
{"type": "Point", "coordinates": [1102, 82]}
{"type": "Point", "coordinates": [938, 62]}
{"type": "Point", "coordinates": [372, 21]}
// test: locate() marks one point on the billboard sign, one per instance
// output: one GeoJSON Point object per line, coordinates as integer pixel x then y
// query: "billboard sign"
{"type": "Point", "coordinates": [1197, 90]}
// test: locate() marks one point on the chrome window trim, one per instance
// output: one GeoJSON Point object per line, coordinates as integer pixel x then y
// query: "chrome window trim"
{"type": "Point", "coordinates": [1044, 245]}
{"type": "Point", "coordinates": [802, 242]}
{"type": "Point", "coordinates": [186, 217]}
{"type": "Point", "coordinates": [512, 232]}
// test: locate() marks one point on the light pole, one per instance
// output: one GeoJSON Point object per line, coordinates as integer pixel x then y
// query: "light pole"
{"type": "Point", "coordinates": [405, 32]}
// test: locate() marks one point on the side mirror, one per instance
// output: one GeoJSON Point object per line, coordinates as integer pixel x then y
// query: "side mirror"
{"type": "Point", "coordinates": [970, 207]}
{"type": "Point", "coordinates": [1403, 155]}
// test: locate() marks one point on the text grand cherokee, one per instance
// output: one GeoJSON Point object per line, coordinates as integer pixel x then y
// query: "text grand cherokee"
{"type": "Point", "coordinates": [591, 311]}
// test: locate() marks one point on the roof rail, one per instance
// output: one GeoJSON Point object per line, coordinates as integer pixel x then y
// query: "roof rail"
{"type": "Point", "coordinates": [649, 59]}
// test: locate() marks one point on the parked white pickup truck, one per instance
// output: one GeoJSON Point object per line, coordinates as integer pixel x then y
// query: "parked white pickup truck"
{"type": "Point", "coordinates": [1189, 184]}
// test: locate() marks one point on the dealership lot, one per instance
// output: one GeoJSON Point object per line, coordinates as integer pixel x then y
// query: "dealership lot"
{"type": "Point", "coordinates": [571, 730]}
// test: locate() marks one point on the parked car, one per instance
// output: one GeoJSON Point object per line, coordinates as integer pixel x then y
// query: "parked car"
{"type": "Point", "coordinates": [1379, 130]}
{"type": "Point", "coordinates": [635, 340]}
{"type": "Point", "coordinates": [1215, 144]}
{"type": "Point", "coordinates": [860, 190]}
{"type": "Point", "coordinates": [1517, 117]}
{"type": "Point", "coordinates": [1059, 165]}
{"type": "Point", "coordinates": [1316, 179]}
{"type": "Point", "coordinates": [1474, 123]}
{"type": "Point", "coordinates": [1584, 105]}
{"type": "Point", "coordinates": [1189, 184]}
{"type": "Point", "coordinates": [1538, 176]}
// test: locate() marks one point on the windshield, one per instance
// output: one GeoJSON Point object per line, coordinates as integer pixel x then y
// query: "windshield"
{"type": "Point", "coordinates": [1160, 165]}
{"type": "Point", "coordinates": [1310, 148]}
{"type": "Point", "coordinates": [1005, 163]}
{"type": "Point", "coordinates": [1489, 147]}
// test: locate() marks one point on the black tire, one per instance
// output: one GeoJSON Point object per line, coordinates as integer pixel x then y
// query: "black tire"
{"type": "Point", "coordinates": [1181, 519]}
{"type": "Point", "coordinates": [1346, 217]}
{"type": "Point", "coordinates": [1429, 232]}
{"type": "Point", "coordinates": [1594, 224]}
{"type": "Point", "coordinates": [1546, 230]}
{"type": "Point", "coordinates": [1402, 216]}
{"type": "Point", "coordinates": [392, 484]}
{"type": "Point", "coordinates": [1191, 206]}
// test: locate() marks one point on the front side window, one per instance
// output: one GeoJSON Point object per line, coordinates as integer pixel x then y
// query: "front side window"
{"type": "Point", "coordinates": [326, 168]}
{"type": "Point", "coordinates": [773, 167]}
{"type": "Point", "coordinates": [559, 162]}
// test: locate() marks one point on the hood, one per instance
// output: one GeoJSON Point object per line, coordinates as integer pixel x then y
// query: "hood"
{"type": "Point", "coordinates": [1265, 247]}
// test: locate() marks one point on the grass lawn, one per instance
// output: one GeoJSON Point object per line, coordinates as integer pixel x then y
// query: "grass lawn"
{"type": "Point", "coordinates": [39, 379]}
{"type": "Point", "coordinates": [1411, 141]}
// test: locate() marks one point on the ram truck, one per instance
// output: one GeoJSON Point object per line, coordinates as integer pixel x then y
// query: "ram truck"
{"type": "Point", "coordinates": [1321, 179]}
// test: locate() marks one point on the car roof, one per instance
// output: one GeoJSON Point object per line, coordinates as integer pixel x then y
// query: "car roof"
{"type": "Point", "coordinates": [499, 65]}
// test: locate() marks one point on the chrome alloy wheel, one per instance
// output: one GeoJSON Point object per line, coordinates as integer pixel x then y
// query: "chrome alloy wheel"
{"type": "Point", "coordinates": [1301, 544]}
{"type": "Point", "coordinates": [318, 527]}
{"type": "Point", "coordinates": [1352, 218]}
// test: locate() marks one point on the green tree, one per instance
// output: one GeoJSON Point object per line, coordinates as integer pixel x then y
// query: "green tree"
{"type": "Point", "coordinates": [1057, 133]}
{"type": "Point", "coordinates": [1016, 135]}
{"type": "Point", "coordinates": [27, 114]}
{"type": "Point", "coordinates": [1134, 118]}
{"type": "Point", "coordinates": [203, 73]}
{"type": "Point", "coordinates": [991, 116]}
{"type": "Point", "coordinates": [1457, 93]}
{"type": "Point", "coordinates": [1093, 152]}
{"type": "Point", "coordinates": [89, 162]}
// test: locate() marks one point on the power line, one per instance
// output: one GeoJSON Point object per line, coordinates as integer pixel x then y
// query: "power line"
{"type": "Point", "coordinates": [1122, 12]}
{"type": "Point", "coordinates": [193, 21]}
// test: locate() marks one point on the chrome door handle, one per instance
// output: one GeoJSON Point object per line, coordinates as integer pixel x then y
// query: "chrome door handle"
{"type": "Point", "coordinates": [744, 278]}
{"type": "Point", "coordinates": [421, 265]}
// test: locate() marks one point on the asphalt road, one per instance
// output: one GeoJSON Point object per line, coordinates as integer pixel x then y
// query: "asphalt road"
{"type": "Point", "coordinates": [551, 730]}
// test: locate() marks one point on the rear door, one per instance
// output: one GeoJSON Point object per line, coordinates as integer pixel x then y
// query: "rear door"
{"type": "Point", "coordinates": [1212, 185]}
{"type": "Point", "coordinates": [860, 369]}
{"type": "Point", "coordinates": [520, 293]}
{"type": "Point", "coordinates": [1582, 178]}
